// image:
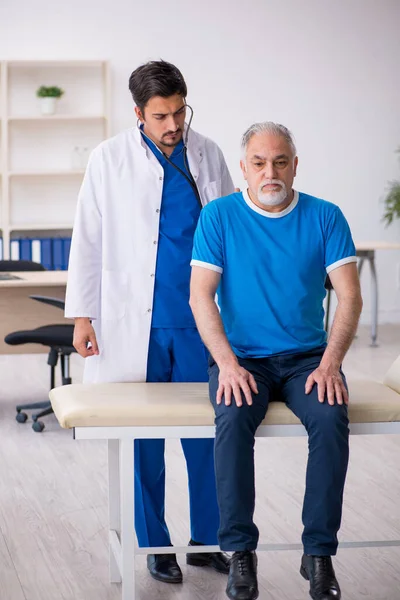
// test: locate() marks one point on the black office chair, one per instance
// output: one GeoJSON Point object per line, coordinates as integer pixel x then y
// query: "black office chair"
{"type": "Point", "coordinates": [329, 288]}
{"type": "Point", "coordinates": [57, 337]}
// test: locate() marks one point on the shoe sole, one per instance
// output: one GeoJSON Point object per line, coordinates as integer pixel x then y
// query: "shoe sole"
{"type": "Point", "coordinates": [254, 597]}
{"type": "Point", "coordinates": [196, 562]}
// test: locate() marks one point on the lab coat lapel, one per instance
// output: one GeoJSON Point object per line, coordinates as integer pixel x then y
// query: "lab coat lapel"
{"type": "Point", "coordinates": [154, 163]}
{"type": "Point", "coordinates": [194, 154]}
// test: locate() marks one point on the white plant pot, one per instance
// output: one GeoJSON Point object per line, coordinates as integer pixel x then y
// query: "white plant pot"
{"type": "Point", "coordinates": [48, 105]}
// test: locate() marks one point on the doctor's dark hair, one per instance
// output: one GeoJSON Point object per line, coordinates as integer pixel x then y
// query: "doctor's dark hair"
{"type": "Point", "coordinates": [156, 78]}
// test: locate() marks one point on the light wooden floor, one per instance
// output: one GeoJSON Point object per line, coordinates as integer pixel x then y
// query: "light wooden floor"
{"type": "Point", "coordinates": [53, 504]}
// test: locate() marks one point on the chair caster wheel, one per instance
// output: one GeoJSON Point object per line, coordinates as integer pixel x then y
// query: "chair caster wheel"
{"type": "Point", "coordinates": [21, 417]}
{"type": "Point", "coordinates": [38, 426]}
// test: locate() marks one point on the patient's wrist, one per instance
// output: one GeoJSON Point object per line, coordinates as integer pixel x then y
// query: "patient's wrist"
{"type": "Point", "coordinates": [227, 361]}
{"type": "Point", "coordinates": [330, 362]}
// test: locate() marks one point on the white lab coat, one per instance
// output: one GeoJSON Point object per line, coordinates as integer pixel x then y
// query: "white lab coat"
{"type": "Point", "coordinates": [114, 246]}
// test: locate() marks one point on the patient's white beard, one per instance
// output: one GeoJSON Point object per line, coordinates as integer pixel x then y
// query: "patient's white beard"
{"type": "Point", "coordinates": [272, 198]}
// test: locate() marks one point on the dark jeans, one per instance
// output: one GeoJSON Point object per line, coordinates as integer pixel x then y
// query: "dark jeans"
{"type": "Point", "coordinates": [280, 378]}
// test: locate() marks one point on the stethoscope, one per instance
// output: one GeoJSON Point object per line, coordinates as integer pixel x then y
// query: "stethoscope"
{"type": "Point", "coordinates": [188, 176]}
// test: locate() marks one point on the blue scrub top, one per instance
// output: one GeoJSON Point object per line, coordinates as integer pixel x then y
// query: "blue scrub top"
{"type": "Point", "coordinates": [179, 215]}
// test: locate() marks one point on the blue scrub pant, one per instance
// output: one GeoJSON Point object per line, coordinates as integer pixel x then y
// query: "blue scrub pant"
{"type": "Point", "coordinates": [280, 377]}
{"type": "Point", "coordinates": [176, 355]}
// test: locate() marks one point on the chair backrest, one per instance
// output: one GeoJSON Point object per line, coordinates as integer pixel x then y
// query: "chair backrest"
{"type": "Point", "coordinates": [20, 265]}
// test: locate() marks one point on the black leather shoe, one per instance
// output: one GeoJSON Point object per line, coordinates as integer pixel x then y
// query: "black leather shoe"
{"type": "Point", "coordinates": [318, 570]}
{"type": "Point", "coordinates": [164, 567]}
{"type": "Point", "coordinates": [216, 560]}
{"type": "Point", "coordinates": [242, 580]}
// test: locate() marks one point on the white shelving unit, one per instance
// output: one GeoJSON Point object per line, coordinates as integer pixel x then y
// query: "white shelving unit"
{"type": "Point", "coordinates": [43, 158]}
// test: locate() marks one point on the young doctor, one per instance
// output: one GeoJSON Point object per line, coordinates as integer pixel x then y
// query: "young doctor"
{"type": "Point", "coordinates": [128, 286]}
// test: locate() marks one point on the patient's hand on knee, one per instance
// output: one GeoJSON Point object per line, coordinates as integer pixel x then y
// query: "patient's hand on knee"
{"type": "Point", "coordinates": [234, 379]}
{"type": "Point", "coordinates": [329, 382]}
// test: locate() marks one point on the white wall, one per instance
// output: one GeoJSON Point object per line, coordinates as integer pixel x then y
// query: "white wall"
{"type": "Point", "coordinates": [328, 70]}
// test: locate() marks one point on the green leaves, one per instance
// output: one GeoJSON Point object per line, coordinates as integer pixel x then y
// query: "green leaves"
{"type": "Point", "coordinates": [49, 92]}
{"type": "Point", "coordinates": [392, 201]}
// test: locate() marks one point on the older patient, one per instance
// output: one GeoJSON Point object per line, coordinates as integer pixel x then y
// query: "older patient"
{"type": "Point", "coordinates": [266, 252]}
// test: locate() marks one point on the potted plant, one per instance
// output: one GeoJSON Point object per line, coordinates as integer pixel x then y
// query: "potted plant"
{"type": "Point", "coordinates": [48, 97]}
{"type": "Point", "coordinates": [392, 201]}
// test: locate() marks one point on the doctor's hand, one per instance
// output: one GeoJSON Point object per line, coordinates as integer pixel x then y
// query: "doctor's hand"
{"type": "Point", "coordinates": [83, 335]}
{"type": "Point", "coordinates": [233, 379]}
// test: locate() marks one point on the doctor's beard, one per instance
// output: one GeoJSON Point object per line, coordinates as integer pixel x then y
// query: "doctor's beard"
{"type": "Point", "coordinates": [272, 198]}
{"type": "Point", "coordinates": [171, 138]}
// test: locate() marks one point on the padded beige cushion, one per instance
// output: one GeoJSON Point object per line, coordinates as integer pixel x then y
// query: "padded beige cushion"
{"type": "Point", "coordinates": [392, 377]}
{"type": "Point", "coordinates": [147, 404]}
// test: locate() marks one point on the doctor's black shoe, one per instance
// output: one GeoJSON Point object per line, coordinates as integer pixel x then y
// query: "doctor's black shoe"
{"type": "Point", "coordinates": [242, 580]}
{"type": "Point", "coordinates": [164, 567]}
{"type": "Point", "coordinates": [218, 561]}
{"type": "Point", "coordinates": [318, 570]}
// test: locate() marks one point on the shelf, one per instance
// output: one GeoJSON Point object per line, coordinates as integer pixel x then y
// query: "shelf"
{"type": "Point", "coordinates": [41, 168]}
{"type": "Point", "coordinates": [48, 118]}
{"type": "Point", "coordinates": [34, 64]}
{"type": "Point", "coordinates": [74, 173]}
{"type": "Point", "coordinates": [40, 227]}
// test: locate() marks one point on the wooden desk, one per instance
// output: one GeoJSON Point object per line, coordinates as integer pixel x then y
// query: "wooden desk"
{"type": "Point", "coordinates": [366, 251]}
{"type": "Point", "coordinates": [18, 311]}
{"type": "Point", "coordinates": [363, 246]}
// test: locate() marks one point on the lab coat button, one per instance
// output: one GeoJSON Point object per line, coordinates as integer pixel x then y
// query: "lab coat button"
{"type": "Point", "coordinates": [149, 310]}
{"type": "Point", "coordinates": [160, 178]}
{"type": "Point", "coordinates": [154, 242]}
{"type": "Point", "coordinates": [157, 210]}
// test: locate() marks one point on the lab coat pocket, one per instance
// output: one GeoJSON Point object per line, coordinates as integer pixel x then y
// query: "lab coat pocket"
{"type": "Point", "coordinates": [212, 190]}
{"type": "Point", "coordinates": [114, 295]}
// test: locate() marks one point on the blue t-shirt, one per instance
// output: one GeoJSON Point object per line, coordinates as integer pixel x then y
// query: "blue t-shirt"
{"type": "Point", "coordinates": [273, 268]}
{"type": "Point", "coordinates": [179, 215]}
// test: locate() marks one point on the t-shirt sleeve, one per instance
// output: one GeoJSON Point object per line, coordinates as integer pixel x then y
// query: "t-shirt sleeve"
{"type": "Point", "coordinates": [207, 246]}
{"type": "Point", "coordinates": [339, 245]}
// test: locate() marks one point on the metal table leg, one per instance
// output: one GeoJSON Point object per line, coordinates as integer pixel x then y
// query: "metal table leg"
{"type": "Point", "coordinates": [374, 308]}
{"type": "Point", "coordinates": [114, 511]}
{"type": "Point", "coordinates": [369, 255]}
{"type": "Point", "coordinates": [127, 519]}
{"type": "Point", "coordinates": [360, 264]}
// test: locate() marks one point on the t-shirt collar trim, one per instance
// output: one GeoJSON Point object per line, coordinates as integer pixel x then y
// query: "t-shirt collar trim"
{"type": "Point", "coordinates": [268, 214]}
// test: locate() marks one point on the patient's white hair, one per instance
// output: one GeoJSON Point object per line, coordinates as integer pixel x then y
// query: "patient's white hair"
{"type": "Point", "coordinates": [266, 127]}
